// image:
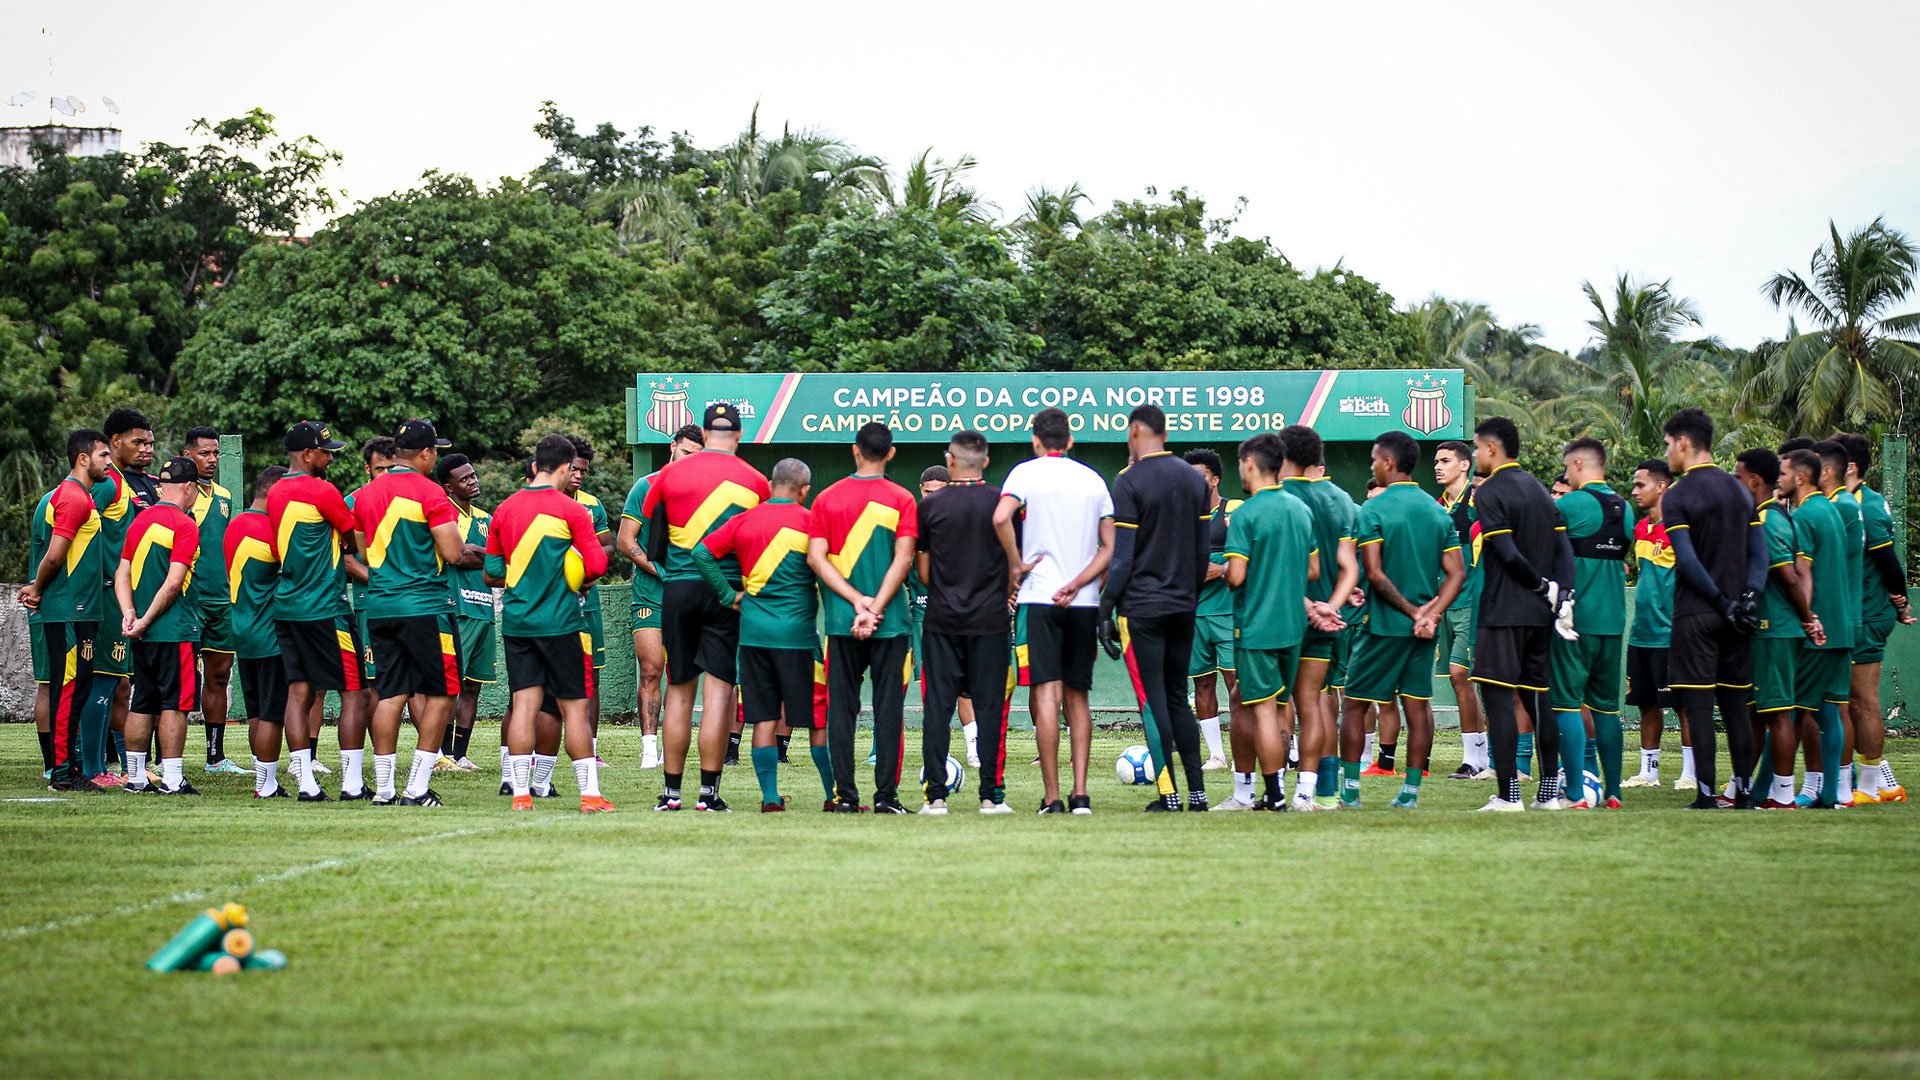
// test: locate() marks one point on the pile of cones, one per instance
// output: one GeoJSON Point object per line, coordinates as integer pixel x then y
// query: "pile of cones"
{"type": "Point", "coordinates": [216, 941]}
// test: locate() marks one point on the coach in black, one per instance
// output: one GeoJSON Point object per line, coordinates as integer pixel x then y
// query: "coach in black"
{"type": "Point", "coordinates": [1161, 517]}
{"type": "Point", "coordinates": [1520, 532]}
{"type": "Point", "coordinates": [1720, 563]}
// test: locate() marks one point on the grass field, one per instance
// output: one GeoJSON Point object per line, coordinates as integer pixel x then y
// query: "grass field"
{"type": "Point", "coordinates": [469, 940]}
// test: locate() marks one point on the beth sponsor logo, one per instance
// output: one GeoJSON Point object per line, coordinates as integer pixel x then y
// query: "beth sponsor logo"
{"type": "Point", "coordinates": [1362, 405]}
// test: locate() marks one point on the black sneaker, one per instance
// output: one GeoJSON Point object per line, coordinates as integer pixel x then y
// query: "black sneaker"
{"type": "Point", "coordinates": [143, 789]}
{"type": "Point", "coordinates": [318, 796]}
{"type": "Point", "coordinates": [506, 787]}
{"type": "Point", "coordinates": [61, 783]}
{"type": "Point", "coordinates": [1079, 804]}
{"type": "Point", "coordinates": [1167, 805]}
{"type": "Point", "coordinates": [713, 804]}
{"type": "Point", "coordinates": [365, 794]}
{"type": "Point", "coordinates": [1464, 772]}
{"type": "Point", "coordinates": [732, 759]}
{"type": "Point", "coordinates": [1703, 802]}
{"type": "Point", "coordinates": [427, 798]}
{"type": "Point", "coordinates": [1197, 802]}
{"type": "Point", "coordinates": [889, 806]}
{"type": "Point", "coordinates": [1277, 806]}
{"type": "Point", "coordinates": [667, 802]}
{"type": "Point", "coordinates": [184, 789]}
{"type": "Point", "coordinates": [841, 806]}
{"type": "Point", "coordinates": [1054, 807]}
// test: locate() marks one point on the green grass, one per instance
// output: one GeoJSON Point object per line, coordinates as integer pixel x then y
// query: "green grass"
{"type": "Point", "coordinates": [470, 940]}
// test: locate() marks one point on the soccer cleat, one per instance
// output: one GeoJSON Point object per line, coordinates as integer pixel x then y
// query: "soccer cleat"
{"type": "Point", "coordinates": [829, 806]}
{"type": "Point", "coordinates": [140, 789]}
{"type": "Point", "coordinates": [843, 807]}
{"type": "Point", "coordinates": [107, 781]}
{"type": "Point", "coordinates": [1303, 804]}
{"type": "Point", "coordinates": [594, 804]}
{"type": "Point", "coordinates": [227, 768]}
{"type": "Point", "coordinates": [1376, 770]}
{"type": "Point", "coordinates": [465, 765]}
{"type": "Point", "coordinates": [1213, 764]}
{"type": "Point", "coordinates": [363, 793]}
{"type": "Point", "coordinates": [889, 806]}
{"type": "Point", "coordinates": [1685, 783]}
{"type": "Point", "coordinates": [1326, 802]}
{"type": "Point", "coordinates": [1864, 798]}
{"type": "Point", "coordinates": [1612, 803]}
{"type": "Point", "coordinates": [733, 758]}
{"type": "Point", "coordinates": [1639, 780]}
{"type": "Point", "coordinates": [605, 764]}
{"type": "Point", "coordinates": [445, 764]}
{"type": "Point", "coordinates": [1895, 793]}
{"type": "Point", "coordinates": [1079, 805]}
{"type": "Point", "coordinates": [873, 757]}
{"type": "Point", "coordinates": [426, 798]}
{"type": "Point", "coordinates": [506, 787]}
{"type": "Point", "coordinates": [1231, 803]}
{"type": "Point", "coordinates": [1486, 774]}
{"type": "Point", "coordinates": [111, 780]}
{"type": "Point", "coordinates": [1169, 804]}
{"type": "Point", "coordinates": [774, 807]}
{"type": "Point", "coordinates": [550, 793]}
{"type": "Point", "coordinates": [1803, 800]}
{"type": "Point", "coordinates": [320, 768]}
{"type": "Point", "coordinates": [712, 804]}
{"type": "Point", "coordinates": [1054, 807]}
{"type": "Point", "coordinates": [391, 800]}
{"type": "Point", "coordinates": [1464, 772]}
{"type": "Point", "coordinates": [1703, 802]}
{"type": "Point", "coordinates": [184, 789]}
{"type": "Point", "coordinates": [1404, 801]}
{"type": "Point", "coordinates": [1568, 804]}
{"type": "Point", "coordinates": [1197, 802]}
{"type": "Point", "coordinates": [988, 806]}
{"type": "Point", "coordinates": [1272, 806]}
{"type": "Point", "coordinates": [1498, 805]}
{"type": "Point", "coordinates": [936, 808]}
{"type": "Point", "coordinates": [650, 761]}
{"type": "Point", "coordinates": [318, 796]}
{"type": "Point", "coordinates": [1775, 804]}
{"type": "Point", "coordinates": [523, 802]}
{"type": "Point", "coordinates": [973, 761]}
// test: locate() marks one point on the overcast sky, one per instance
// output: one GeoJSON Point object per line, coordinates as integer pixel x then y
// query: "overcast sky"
{"type": "Point", "coordinates": [1492, 151]}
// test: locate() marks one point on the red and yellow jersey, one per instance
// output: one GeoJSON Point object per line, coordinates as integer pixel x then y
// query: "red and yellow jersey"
{"type": "Point", "coordinates": [161, 538]}
{"type": "Point", "coordinates": [770, 543]}
{"type": "Point", "coordinates": [253, 570]}
{"type": "Point", "coordinates": [309, 517]}
{"type": "Point", "coordinates": [700, 492]}
{"type": "Point", "coordinates": [396, 515]}
{"type": "Point", "coordinates": [543, 546]}
{"type": "Point", "coordinates": [74, 594]}
{"type": "Point", "coordinates": [860, 517]}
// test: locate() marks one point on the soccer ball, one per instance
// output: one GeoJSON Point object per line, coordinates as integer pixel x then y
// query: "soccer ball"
{"type": "Point", "coordinates": [1593, 789]}
{"type": "Point", "coordinates": [956, 774]}
{"type": "Point", "coordinates": [1132, 766]}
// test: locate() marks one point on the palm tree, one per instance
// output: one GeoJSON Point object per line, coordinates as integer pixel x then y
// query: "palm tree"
{"type": "Point", "coordinates": [933, 185]}
{"type": "Point", "coordinates": [1051, 215]}
{"type": "Point", "coordinates": [1857, 364]}
{"type": "Point", "coordinates": [1643, 367]}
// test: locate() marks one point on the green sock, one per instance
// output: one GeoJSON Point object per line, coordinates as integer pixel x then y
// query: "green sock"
{"type": "Point", "coordinates": [1523, 752]}
{"type": "Point", "coordinates": [766, 769]}
{"type": "Point", "coordinates": [823, 763]}
{"type": "Point", "coordinates": [1327, 784]}
{"type": "Point", "coordinates": [1611, 750]}
{"type": "Point", "coordinates": [95, 718]}
{"type": "Point", "coordinates": [1830, 739]}
{"type": "Point", "coordinates": [1573, 750]}
{"type": "Point", "coordinates": [1349, 781]}
{"type": "Point", "coordinates": [1410, 788]}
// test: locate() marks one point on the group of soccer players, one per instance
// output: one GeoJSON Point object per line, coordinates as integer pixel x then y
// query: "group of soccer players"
{"type": "Point", "coordinates": [1767, 593]}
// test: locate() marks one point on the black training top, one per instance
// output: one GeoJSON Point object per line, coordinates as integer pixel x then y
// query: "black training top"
{"type": "Point", "coordinates": [1716, 511]}
{"type": "Point", "coordinates": [1162, 501]}
{"type": "Point", "coordinates": [966, 566]}
{"type": "Point", "coordinates": [1511, 502]}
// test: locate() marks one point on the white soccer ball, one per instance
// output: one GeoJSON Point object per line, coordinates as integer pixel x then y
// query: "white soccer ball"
{"type": "Point", "coordinates": [956, 774]}
{"type": "Point", "coordinates": [1132, 766]}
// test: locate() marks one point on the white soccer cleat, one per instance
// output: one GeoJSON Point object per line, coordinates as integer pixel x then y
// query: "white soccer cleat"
{"type": "Point", "coordinates": [973, 761]}
{"type": "Point", "coordinates": [1642, 780]}
{"type": "Point", "coordinates": [1304, 804]}
{"type": "Point", "coordinates": [936, 808]}
{"type": "Point", "coordinates": [320, 768]}
{"type": "Point", "coordinates": [988, 807]}
{"type": "Point", "coordinates": [1686, 783]}
{"type": "Point", "coordinates": [1213, 764]}
{"type": "Point", "coordinates": [1498, 805]}
{"type": "Point", "coordinates": [1486, 774]}
{"type": "Point", "coordinates": [1232, 802]}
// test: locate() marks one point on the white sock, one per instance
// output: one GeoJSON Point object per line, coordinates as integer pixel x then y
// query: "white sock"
{"type": "Point", "coordinates": [1650, 763]}
{"type": "Point", "coordinates": [1845, 793]}
{"type": "Point", "coordinates": [1686, 763]}
{"type": "Point", "coordinates": [1210, 731]}
{"type": "Point", "coordinates": [266, 777]}
{"type": "Point", "coordinates": [1476, 743]}
{"type": "Point", "coordinates": [1782, 788]}
{"type": "Point", "coordinates": [505, 761]}
{"type": "Point", "coordinates": [170, 772]}
{"type": "Point", "coordinates": [353, 773]}
{"type": "Point", "coordinates": [1283, 785]}
{"type": "Point", "coordinates": [299, 766]}
{"type": "Point", "coordinates": [1868, 779]}
{"type": "Point", "coordinates": [136, 768]}
{"type": "Point", "coordinates": [383, 769]}
{"type": "Point", "coordinates": [1366, 756]}
{"type": "Point", "coordinates": [972, 733]}
{"type": "Point", "coordinates": [1814, 784]}
{"type": "Point", "coordinates": [650, 745]}
{"type": "Point", "coordinates": [519, 766]}
{"type": "Point", "coordinates": [543, 772]}
{"type": "Point", "coordinates": [421, 772]}
{"type": "Point", "coordinates": [1293, 747]}
{"type": "Point", "coordinates": [1243, 786]}
{"type": "Point", "coordinates": [1304, 784]}
{"type": "Point", "coordinates": [587, 772]}
{"type": "Point", "coordinates": [1886, 775]}
{"type": "Point", "coordinates": [596, 746]}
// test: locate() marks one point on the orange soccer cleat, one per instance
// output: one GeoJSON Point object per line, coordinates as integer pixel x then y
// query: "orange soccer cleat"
{"type": "Point", "coordinates": [1375, 770]}
{"type": "Point", "coordinates": [594, 804]}
{"type": "Point", "coordinates": [523, 802]}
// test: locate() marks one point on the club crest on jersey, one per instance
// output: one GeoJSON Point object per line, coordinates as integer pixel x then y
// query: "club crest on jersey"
{"type": "Point", "coordinates": [120, 652]}
{"type": "Point", "coordinates": [1426, 410]}
{"type": "Point", "coordinates": [667, 411]}
{"type": "Point", "coordinates": [644, 613]}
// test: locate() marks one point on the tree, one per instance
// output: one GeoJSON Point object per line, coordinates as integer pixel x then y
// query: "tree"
{"type": "Point", "coordinates": [934, 186]}
{"type": "Point", "coordinates": [1858, 365]}
{"type": "Point", "coordinates": [1644, 371]}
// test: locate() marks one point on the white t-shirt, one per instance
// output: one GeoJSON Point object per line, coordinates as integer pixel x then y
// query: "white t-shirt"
{"type": "Point", "coordinates": [1064, 502]}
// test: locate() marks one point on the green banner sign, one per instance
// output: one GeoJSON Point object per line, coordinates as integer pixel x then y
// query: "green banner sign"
{"type": "Point", "coordinates": [1201, 406]}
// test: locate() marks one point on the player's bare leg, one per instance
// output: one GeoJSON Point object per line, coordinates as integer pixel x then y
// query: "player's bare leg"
{"type": "Point", "coordinates": [1877, 782]}
{"type": "Point", "coordinates": [717, 716]}
{"type": "Point", "coordinates": [1473, 723]}
{"type": "Point", "coordinates": [1079, 736]}
{"type": "Point", "coordinates": [216, 676]}
{"type": "Point", "coordinates": [1313, 709]}
{"type": "Point", "coordinates": [1419, 725]}
{"type": "Point", "coordinates": [43, 725]}
{"type": "Point", "coordinates": [1044, 701]}
{"type": "Point", "coordinates": [651, 657]}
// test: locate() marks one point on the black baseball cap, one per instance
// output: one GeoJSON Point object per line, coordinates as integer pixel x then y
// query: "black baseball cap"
{"type": "Point", "coordinates": [418, 435]}
{"type": "Point", "coordinates": [178, 471]}
{"type": "Point", "coordinates": [721, 416]}
{"type": "Point", "coordinates": [312, 435]}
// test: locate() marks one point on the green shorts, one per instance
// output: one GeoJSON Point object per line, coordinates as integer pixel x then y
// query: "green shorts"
{"type": "Point", "coordinates": [37, 644]}
{"type": "Point", "coordinates": [1342, 650]}
{"type": "Point", "coordinates": [1267, 674]}
{"type": "Point", "coordinates": [477, 649]}
{"type": "Point", "coordinates": [597, 630]}
{"type": "Point", "coordinates": [1870, 641]}
{"type": "Point", "coordinates": [1587, 672]}
{"type": "Point", "coordinates": [1212, 645]}
{"type": "Point", "coordinates": [366, 646]}
{"type": "Point", "coordinates": [1384, 668]}
{"type": "Point", "coordinates": [1824, 677]}
{"type": "Point", "coordinates": [111, 654]}
{"type": "Point", "coordinates": [1455, 648]}
{"type": "Point", "coordinates": [1776, 668]}
{"type": "Point", "coordinates": [216, 627]}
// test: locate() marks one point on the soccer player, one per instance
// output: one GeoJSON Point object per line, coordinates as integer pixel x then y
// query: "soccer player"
{"type": "Point", "coordinates": [377, 455]}
{"type": "Point", "coordinates": [863, 533]}
{"type": "Point", "coordinates": [1271, 558]}
{"type": "Point", "coordinates": [648, 651]}
{"type": "Point", "coordinates": [252, 572]}
{"type": "Point", "coordinates": [1788, 626]}
{"type": "Point", "coordinates": [1822, 676]}
{"type": "Point", "coordinates": [410, 533]}
{"type": "Point", "coordinates": [64, 603]}
{"type": "Point", "coordinates": [1411, 553]}
{"type": "Point", "coordinates": [543, 547]}
{"type": "Point", "coordinates": [160, 617]}
{"type": "Point", "coordinates": [1524, 600]}
{"type": "Point", "coordinates": [1053, 570]}
{"type": "Point", "coordinates": [596, 625]}
{"type": "Point", "coordinates": [319, 642]}
{"type": "Point", "coordinates": [1833, 479]}
{"type": "Point", "coordinates": [1585, 671]}
{"type": "Point", "coordinates": [1826, 716]}
{"type": "Point", "coordinates": [686, 502]}
{"type": "Point", "coordinates": [1323, 654]}
{"type": "Point", "coordinates": [966, 663]}
{"type": "Point", "coordinates": [1213, 633]}
{"type": "Point", "coordinates": [932, 479]}
{"type": "Point", "coordinates": [1652, 629]}
{"type": "Point", "coordinates": [119, 497]}
{"type": "Point", "coordinates": [1720, 558]}
{"type": "Point", "coordinates": [778, 604]}
{"type": "Point", "coordinates": [1453, 471]}
{"type": "Point", "coordinates": [472, 597]}
{"type": "Point", "coordinates": [1883, 602]}
{"type": "Point", "coordinates": [212, 509]}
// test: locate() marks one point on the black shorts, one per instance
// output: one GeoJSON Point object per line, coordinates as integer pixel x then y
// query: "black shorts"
{"type": "Point", "coordinates": [1647, 678]}
{"type": "Point", "coordinates": [776, 684]}
{"type": "Point", "coordinates": [1060, 645]}
{"type": "Point", "coordinates": [166, 677]}
{"type": "Point", "coordinates": [700, 634]}
{"type": "Point", "coordinates": [1516, 656]}
{"type": "Point", "coordinates": [263, 682]}
{"type": "Point", "coordinates": [1707, 652]}
{"type": "Point", "coordinates": [323, 653]}
{"type": "Point", "coordinates": [562, 663]}
{"type": "Point", "coordinates": [415, 654]}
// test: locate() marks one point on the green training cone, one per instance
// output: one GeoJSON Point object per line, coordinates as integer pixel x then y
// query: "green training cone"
{"type": "Point", "coordinates": [199, 936]}
{"type": "Point", "coordinates": [266, 960]}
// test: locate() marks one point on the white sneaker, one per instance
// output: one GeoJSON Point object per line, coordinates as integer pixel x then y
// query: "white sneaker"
{"type": "Point", "coordinates": [936, 808]}
{"type": "Point", "coordinates": [1486, 774]}
{"type": "Point", "coordinates": [1555, 803]}
{"type": "Point", "coordinates": [1213, 764]}
{"type": "Point", "coordinates": [320, 768]}
{"type": "Point", "coordinates": [973, 761]}
{"type": "Point", "coordinates": [1642, 780]}
{"type": "Point", "coordinates": [987, 807]}
{"type": "Point", "coordinates": [1686, 783]}
{"type": "Point", "coordinates": [650, 761]}
{"type": "Point", "coordinates": [1304, 804]}
{"type": "Point", "coordinates": [1498, 805]}
{"type": "Point", "coordinates": [1232, 802]}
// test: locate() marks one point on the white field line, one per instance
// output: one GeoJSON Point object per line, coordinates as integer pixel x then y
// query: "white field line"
{"type": "Point", "coordinates": [194, 896]}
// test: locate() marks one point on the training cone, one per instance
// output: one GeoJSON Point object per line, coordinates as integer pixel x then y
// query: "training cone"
{"type": "Point", "coordinates": [219, 963]}
{"type": "Point", "coordinates": [266, 960]}
{"type": "Point", "coordinates": [199, 937]}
